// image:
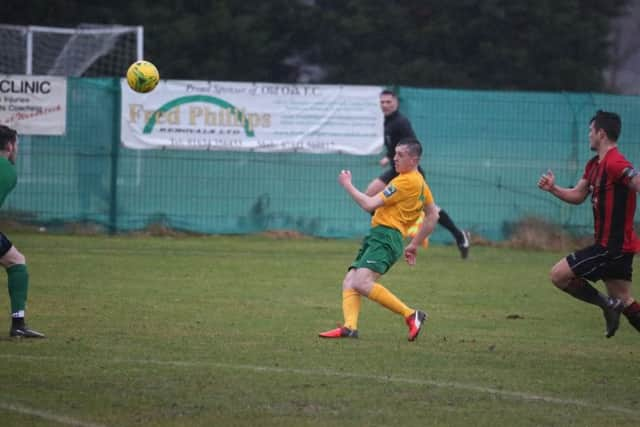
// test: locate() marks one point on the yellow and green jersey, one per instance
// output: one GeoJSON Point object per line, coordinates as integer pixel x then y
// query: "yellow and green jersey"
{"type": "Point", "coordinates": [8, 178]}
{"type": "Point", "coordinates": [403, 200]}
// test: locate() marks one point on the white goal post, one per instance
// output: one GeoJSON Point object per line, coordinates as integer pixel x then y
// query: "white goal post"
{"type": "Point", "coordinates": [88, 50]}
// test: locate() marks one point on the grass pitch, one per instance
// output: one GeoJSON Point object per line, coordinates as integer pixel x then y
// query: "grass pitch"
{"type": "Point", "coordinates": [222, 331]}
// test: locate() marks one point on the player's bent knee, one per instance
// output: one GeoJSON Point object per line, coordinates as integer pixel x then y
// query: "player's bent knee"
{"type": "Point", "coordinates": [13, 257]}
{"type": "Point", "coordinates": [360, 280]}
{"type": "Point", "coordinates": [21, 259]}
{"type": "Point", "coordinates": [554, 277]}
{"type": "Point", "coordinates": [559, 276]}
{"type": "Point", "coordinates": [362, 288]}
{"type": "Point", "coordinates": [350, 280]}
{"type": "Point", "coordinates": [346, 283]}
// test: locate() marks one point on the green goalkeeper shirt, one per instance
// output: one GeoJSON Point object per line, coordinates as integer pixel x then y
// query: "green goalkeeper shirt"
{"type": "Point", "coordinates": [8, 178]}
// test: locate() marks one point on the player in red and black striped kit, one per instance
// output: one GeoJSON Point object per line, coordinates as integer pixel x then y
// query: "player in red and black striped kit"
{"type": "Point", "coordinates": [613, 183]}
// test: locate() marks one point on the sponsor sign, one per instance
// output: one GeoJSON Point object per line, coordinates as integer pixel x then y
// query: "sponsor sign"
{"type": "Point", "coordinates": [268, 117]}
{"type": "Point", "coordinates": [34, 105]}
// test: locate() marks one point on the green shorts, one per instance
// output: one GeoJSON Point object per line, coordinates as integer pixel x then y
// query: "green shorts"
{"type": "Point", "coordinates": [380, 249]}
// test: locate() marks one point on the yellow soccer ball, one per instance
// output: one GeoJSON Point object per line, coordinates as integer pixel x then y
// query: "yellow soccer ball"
{"type": "Point", "coordinates": [143, 76]}
{"type": "Point", "coordinates": [413, 230]}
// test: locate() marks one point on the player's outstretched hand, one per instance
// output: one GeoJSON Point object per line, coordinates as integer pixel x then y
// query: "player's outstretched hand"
{"type": "Point", "coordinates": [410, 254]}
{"type": "Point", "coordinates": [344, 178]}
{"type": "Point", "coordinates": [547, 181]}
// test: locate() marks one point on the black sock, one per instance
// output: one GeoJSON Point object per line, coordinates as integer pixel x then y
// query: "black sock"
{"type": "Point", "coordinates": [17, 322]}
{"type": "Point", "coordinates": [582, 290]}
{"type": "Point", "coordinates": [446, 221]}
{"type": "Point", "coordinates": [633, 314]}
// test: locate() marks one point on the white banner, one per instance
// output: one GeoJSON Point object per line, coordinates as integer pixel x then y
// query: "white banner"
{"type": "Point", "coordinates": [265, 117]}
{"type": "Point", "coordinates": [34, 105]}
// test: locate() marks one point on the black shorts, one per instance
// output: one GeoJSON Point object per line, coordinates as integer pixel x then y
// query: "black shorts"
{"type": "Point", "coordinates": [595, 263]}
{"type": "Point", "coordinates": [5, 244]}
{"type": "Point", "coordinates": [389, 174]}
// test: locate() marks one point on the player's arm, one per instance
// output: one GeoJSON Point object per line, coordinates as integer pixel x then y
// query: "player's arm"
{"type": "Point", "coordinates": [634, 181]}
{"type": "Point", "coordinates": [426, 228]}
{"type": "Point", "coordinates": [575, 195]}
{"type": "Point", "coordinates": [368, 203]}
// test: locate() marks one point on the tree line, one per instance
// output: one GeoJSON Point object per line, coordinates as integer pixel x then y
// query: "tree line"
{"type": "Point", "coordinates": [482, 44]}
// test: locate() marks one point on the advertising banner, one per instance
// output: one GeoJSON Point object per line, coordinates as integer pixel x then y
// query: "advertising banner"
{"type": "Point", "coordinates": [34, 105]}
{"type": "Point", "coordinates": [267, 117]}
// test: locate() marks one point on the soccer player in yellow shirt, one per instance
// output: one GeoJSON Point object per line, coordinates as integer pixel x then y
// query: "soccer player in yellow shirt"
{"type": "Point", "coordinates": [396, 208]}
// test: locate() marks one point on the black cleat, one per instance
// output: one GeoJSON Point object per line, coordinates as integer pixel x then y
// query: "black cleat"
{"type": "Point", "coordinates": [612, 316]}
{"type": "Point", "coordinates": [464, 245]}
{"type": "Point", "coordinates": [25, 332]}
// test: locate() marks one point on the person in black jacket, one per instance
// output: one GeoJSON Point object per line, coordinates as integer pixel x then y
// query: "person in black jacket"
{"type": "Point", "coordinates": [397, 127]}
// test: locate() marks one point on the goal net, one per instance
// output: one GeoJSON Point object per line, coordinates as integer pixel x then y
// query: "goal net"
{"type": "Point", "coordinates": [88, 50]}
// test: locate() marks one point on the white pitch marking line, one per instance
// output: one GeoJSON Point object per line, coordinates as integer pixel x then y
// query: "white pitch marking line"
{"type": "Point", "coordinates": [381, 378]}
{"type": "Point", "coordinates": [61, 419]}
{"type": "Point", "coordinates": [441, 384]}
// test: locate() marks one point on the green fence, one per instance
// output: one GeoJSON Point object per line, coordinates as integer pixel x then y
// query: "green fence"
{"type": "Point", "coordinates": [484, 152]}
